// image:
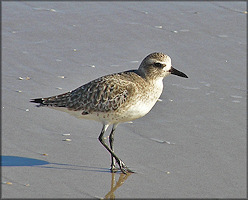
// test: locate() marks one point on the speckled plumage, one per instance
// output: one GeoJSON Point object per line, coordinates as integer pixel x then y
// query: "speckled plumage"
{"type": "Point", "coordinates": [116, 98]}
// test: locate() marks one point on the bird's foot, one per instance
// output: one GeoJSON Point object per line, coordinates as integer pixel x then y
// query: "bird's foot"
{"type": "Point", "coordinates": [124, 168]}
{"type": "Point", "coordinates": [113, 168]}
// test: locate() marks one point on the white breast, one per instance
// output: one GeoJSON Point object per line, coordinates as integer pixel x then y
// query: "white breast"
{"type": "Point", "coordinates": [137, 107]}
{"type": "Point", "coordinates": [145, 102]}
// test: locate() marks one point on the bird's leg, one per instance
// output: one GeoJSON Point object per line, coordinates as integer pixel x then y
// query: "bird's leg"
{"type": "Point", "coordinates": [111, 143]}
{"type": "Point", "coordinates": [122, 165]}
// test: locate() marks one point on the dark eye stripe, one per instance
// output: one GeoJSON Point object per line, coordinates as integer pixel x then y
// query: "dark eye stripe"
{"type": "Point", "coordinates": [158, 65]}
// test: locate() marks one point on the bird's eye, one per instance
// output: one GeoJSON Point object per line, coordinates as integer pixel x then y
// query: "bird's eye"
{"type": "Point", "coordinates": [158, 65]}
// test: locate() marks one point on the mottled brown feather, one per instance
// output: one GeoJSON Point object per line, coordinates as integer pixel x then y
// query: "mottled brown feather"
{"type": "Point", "coordinates": [105, 94]}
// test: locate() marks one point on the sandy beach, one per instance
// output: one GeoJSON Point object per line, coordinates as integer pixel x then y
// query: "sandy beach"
{"type": "Point", "coordinates": [192, 144]}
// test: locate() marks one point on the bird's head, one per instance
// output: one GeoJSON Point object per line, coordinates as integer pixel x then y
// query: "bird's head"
{"type": "Point", "coordinates": [158, 65]}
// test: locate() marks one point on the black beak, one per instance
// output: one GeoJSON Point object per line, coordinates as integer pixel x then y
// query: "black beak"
{"type": "Point", "coordinates": [178, 73]}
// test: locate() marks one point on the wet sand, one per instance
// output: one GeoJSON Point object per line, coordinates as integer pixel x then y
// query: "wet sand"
{"type": "Point", "coordinates": [191, 145]}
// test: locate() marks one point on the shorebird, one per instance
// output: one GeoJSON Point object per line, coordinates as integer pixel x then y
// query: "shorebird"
{"type": "Point", "coordinates": [116, 98]}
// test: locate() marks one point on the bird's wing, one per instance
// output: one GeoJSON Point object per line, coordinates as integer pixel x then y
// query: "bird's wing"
{"type": "Point", "coordinates": [104, 94]}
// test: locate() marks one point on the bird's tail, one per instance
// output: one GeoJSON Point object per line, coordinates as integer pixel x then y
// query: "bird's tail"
{"type": "Point", "coordinates": [56, 101]}
{"type": "Point", "coordinates": [38, 100]}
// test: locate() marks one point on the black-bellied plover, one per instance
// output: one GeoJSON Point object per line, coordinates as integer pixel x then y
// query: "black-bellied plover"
{"type": "Point", "coordinates": [116, 98]}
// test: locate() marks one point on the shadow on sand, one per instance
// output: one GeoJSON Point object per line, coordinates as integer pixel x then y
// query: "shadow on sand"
{"type": "Point", "coordinates": [16, 161]}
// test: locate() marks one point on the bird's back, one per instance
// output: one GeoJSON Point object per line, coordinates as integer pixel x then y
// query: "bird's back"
{"type": "Point", "coordinates": [114, 93]}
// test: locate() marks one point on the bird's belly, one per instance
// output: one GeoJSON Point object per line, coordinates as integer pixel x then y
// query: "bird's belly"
{"type": "Point", "coordinates": [137, 110]}
{"type": "Point", "coordinates": [129, 113]}
{"type": "Point", "coordinates": [141, 105]}
{"type": "Point", "coordinates": [133, 109]}
{"type": "Point", "coordinates": [103, 117]}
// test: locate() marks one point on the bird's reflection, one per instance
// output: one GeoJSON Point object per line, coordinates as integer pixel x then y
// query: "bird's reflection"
{"type": "Point", "coordinates": [115, 185]}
